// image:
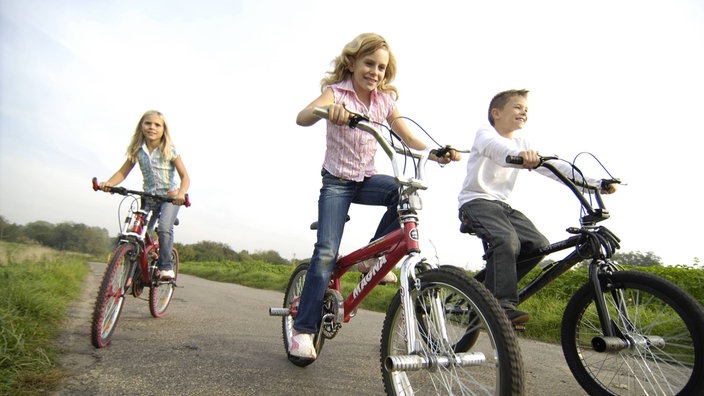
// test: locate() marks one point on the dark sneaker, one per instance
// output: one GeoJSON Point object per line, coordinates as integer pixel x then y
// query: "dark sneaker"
{"type": "Point", "coordinates": [517, 317]}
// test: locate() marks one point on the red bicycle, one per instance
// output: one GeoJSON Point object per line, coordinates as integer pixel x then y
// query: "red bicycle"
{"type": "Point", "coordinates": [443, 333]}
{"type": "Point", "coordinates": [132, 267]}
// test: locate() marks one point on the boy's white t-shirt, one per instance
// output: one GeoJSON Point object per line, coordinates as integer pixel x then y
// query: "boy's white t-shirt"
{"type": "Point", "coordinates": [489, 176]}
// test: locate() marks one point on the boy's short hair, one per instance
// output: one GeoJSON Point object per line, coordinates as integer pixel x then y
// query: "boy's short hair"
{"type": "Point", "coordinates": [501, 98]}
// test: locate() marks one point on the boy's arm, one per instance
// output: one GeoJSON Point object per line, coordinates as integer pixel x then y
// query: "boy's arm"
{"type": "Point", "coordinates": [490, 144]}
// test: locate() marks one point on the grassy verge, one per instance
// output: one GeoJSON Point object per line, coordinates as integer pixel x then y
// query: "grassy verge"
{"type": "Point", "coordinates": [546, 307]}
{"type": "Point", "coordinates": [37, 284]}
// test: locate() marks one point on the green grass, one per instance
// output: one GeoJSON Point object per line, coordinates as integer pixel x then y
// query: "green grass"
{"type": "Point", "coordinates": [546, 307]}
{"type": "Point", "coordinates": [37, 286]}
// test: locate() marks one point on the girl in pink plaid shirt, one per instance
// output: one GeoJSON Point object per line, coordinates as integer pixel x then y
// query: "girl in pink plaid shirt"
{"type": "Point", "coordinates": [359, 81]}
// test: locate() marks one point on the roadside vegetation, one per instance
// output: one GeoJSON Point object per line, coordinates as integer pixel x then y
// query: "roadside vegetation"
{"type": "Point", "coordinates": [40, 277]}
{"type": "Point", "coordinates": [36, 286]}
{"type": "Point", "coordinates": [546, 307]}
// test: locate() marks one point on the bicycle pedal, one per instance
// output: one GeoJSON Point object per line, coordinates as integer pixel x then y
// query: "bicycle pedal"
{"type": "Point", "coordinates": [519, 327]}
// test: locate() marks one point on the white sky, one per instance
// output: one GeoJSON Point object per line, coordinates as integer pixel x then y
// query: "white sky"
{"type": "Point", "coordinates": [620, 79]}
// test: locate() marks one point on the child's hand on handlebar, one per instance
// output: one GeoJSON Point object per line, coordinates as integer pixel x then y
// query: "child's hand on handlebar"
{"type": "Point", "coordinates": [608, 186]}
{"type": "Point", "coordinates": [179, 199]}
{"type": "Point", "coordinates": [104, 186]}
{"type": "Point", "coordinates": [445, 155]}
{"type": "Point", "coordinates": [531, 159]}
{"type": "Point", "coordinates": [337, 114]}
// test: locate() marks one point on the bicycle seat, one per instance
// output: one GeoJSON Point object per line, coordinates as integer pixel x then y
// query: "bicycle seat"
{"type": "Point", "coordinates": [314, 225]}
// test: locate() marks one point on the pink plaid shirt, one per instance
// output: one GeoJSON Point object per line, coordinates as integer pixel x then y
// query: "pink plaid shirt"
{"type": "Point", "coordinates": [350, 152]}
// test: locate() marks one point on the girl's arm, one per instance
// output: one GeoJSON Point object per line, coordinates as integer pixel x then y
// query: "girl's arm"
{"type": "Point", "coordinates": [118, 177]}
{"type": "Point", "coordinates": [399, 126]}
{"type": "Point", "coordinates": [180, 198]}
{"type": "Point", "coordinates": [326, 100]}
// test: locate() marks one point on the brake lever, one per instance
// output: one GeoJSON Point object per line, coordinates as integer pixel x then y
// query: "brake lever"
{"type": "Point", "coordinates": [356, 117]}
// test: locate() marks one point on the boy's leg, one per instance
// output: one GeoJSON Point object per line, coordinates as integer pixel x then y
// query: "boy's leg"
{"type": "Point", "coordinates": [490, 222]}
{"type": "Point", "coordinates": [530, 239]}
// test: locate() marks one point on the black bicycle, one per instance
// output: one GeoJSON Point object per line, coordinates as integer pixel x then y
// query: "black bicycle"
{"type": "Point", "coordinates": [623, 332]}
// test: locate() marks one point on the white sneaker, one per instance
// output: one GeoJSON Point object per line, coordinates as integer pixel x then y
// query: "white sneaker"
{"type": "Point", "coordinates": [367, 265]}
{"type": "Point", "coordinates": [166, 274]}
{"type": "Point", "coordinates": [301, 345]}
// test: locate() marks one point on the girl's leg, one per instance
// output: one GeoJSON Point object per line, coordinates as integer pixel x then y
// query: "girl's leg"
{"type": "Point", "coordinates": [165, 231]}
{"type": "Point", "coordinates": [381, 190]}
{"type": "Point", "coordinates": [333, 205]}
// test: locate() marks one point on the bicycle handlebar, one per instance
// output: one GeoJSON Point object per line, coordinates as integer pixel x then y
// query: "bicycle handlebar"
{"type": "Point", "coordinates": [594, 215]}
{"type": "Point", "coordinates": [360, 121]}
{"type": "Point", "coordinates": [124, 191]}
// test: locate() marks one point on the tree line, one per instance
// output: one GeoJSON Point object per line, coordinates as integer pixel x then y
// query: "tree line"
{"type": "Point", "coordinates": [97, 241]}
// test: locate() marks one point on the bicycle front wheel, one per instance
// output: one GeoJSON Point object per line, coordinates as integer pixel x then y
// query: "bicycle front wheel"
{"type": "Point", "coordinates": [111, 294]}
{"type": "Point", "coordinates": [464, 342]}
{"type": "Point", "coordinates": [661, 329]}
{"type": "Point", "coordinates": [161, 293]}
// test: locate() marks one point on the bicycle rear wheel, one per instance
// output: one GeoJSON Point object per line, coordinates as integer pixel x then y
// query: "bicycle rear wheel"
{"type": "Point", "coordinates": [161, 293]}
{"type": "Point", "coordinates": [111, 294]}
{"type": "Point", "coordinates": [465, 343]}
{"type": "Point", "coordinates": [662, 329]}
{"type": "Point", "coordinates": [291, 300]}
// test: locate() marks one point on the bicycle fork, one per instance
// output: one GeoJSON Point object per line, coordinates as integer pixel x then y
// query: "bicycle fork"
{"type": "Point", "coordinates": [614, 340]}
{"type": "Point", "coordinates": [416, 358]}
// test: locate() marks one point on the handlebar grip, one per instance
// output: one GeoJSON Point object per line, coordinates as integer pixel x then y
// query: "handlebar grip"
{"type": "Point", "coordinates": [320, 112]}
{"type": "Point", "coordinates": [96, 187]}
{"type": "Point", "coordinates": [188, 202]}
{"type": "Point", "coordinates": [514, 159]}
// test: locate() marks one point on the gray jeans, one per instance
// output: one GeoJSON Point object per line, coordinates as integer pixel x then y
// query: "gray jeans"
{"type": "Point", "coordinates": [509, 235]}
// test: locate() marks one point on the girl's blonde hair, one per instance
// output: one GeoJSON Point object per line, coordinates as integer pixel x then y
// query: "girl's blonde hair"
{"type": "Point", "coordinates": [166, 145]}
{"type": "Point", "coordinates": [362, 45]}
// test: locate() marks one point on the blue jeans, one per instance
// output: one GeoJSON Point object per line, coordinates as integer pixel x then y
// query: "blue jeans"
{"type": "Point", "coordinates": [166, 212]}
{"type": "Point", "coordinates": [335, 199]}
{"type": "Point", "coordinates": [509, 235]}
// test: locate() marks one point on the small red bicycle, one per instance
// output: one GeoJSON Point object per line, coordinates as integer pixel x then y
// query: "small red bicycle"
{"type": "Point", "coordinates": [132, 267]}
{"type": "Point", "coordinates": [444, 333]}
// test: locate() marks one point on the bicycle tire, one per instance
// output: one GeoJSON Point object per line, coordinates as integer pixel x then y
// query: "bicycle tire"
{"type": "Point", "coordinates": [291, 300]}
{"type": "Point", "coordinates": [111, 295]}
{"type": "Point", "coordinates": [655, 307]}
{"type": "Point", "coordinates": [501, 372]}
{"type": "Point", "coordinates": [162, 293]}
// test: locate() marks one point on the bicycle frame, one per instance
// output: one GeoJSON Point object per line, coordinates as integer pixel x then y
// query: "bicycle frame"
{"type": "Point", "coordinates": [390, 249]}
{"type": "Point", "coordinates": [590, 241]}
{"type": "Point", "coordinates": [135, 231]}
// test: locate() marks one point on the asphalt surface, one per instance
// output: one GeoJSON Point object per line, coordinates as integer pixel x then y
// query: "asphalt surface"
{"type": "Point", "coordinates": [218, 339]}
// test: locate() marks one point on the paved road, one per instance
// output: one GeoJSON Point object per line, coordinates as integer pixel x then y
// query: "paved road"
{"type": "Point", "coordinates": [218, 339]}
